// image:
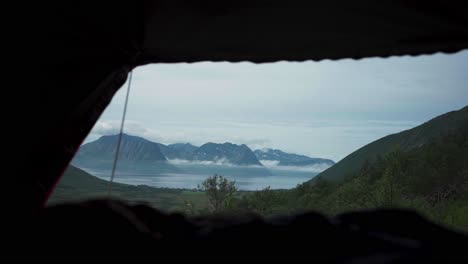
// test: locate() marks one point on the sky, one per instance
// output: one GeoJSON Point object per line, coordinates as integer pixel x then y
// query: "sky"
{"type": "Point", "coordinates": [325, 109]}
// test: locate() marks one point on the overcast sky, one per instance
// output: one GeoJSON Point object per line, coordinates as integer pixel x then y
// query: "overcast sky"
{"type": "Point", "coordinates": [322, 109]}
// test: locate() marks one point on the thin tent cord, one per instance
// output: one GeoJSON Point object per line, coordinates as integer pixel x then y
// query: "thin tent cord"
{"type": "Point", "coordinates": [117, 151]}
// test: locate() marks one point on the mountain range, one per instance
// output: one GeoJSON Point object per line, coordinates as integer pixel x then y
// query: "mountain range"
{"type": "Point", "coordinates": [141, 155]}
{"type": "Point", "coordinates": [230, 153]}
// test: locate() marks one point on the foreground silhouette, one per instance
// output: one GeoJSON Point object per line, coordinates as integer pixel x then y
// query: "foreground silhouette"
{"type": "Point", "coordinates": [111, 229]}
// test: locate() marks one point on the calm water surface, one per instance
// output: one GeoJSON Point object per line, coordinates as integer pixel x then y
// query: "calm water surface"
{"type": "Point", "coordinates": [246, 178]}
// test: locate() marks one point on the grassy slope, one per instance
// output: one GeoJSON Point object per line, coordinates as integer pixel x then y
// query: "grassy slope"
{"type": "Point", "coordinates": [406, 140]}
{"type": "Point", "coordinates": [78, 185]}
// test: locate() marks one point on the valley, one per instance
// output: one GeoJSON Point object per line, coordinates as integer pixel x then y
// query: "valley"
{"type": "Point", "coordinates": [424, 168]}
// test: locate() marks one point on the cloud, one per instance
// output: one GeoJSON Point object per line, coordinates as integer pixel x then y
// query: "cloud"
{"type": "Point", "coordinates": [219, 162]}
{"type": "Point", "coordinates": [269, 164]}
{"type": "Point", "coordinates": [274, 165]}
{"type": "Point", "coordinates": [105, 128]}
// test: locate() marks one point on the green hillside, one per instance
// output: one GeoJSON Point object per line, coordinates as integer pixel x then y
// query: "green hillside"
{"type": "Point", "coordinates": [423, 169]}
{"type": "Point", "coordinates": [407, 140]}
{"type": "Point", "coordinates": [431, 179]}
{"type": "Point", "coordinates": [77, 185]}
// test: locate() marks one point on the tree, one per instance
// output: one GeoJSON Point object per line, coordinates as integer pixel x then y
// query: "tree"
{"type": "Point", "coordinates": [391, 186]}
{"type": "Point", "coordinates": [220, 192]}
{"type": "Point", "coordinates": [262, 201]}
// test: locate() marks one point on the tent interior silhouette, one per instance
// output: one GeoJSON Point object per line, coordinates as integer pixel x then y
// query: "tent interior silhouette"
{"type": "Point", "coordinates": [80, 54]}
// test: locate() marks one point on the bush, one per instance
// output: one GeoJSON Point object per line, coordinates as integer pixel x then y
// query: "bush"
{"type": "Point", "coordinates": [220, 192]}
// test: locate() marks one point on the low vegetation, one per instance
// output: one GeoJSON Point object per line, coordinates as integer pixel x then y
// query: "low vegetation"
{"type": "Point", "coordinates": [432, 179]}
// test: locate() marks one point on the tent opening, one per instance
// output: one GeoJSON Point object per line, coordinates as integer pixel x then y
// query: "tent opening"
{"type": "Point", "coordinates": [283, 137]}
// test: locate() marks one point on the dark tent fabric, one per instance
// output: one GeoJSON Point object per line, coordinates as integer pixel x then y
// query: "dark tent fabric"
{"type": "Point", "coordinates": [77, 55]}
{"type": "Point", "coordinates": [109, 229]}
{"type": "Point", "coordinates": [265, 31]}
{"type": "Point", "coordinates": [67, 59]}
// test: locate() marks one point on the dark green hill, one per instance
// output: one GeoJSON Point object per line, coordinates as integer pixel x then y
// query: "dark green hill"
{"type": "Point", "coordinates": [412, 139]}
{"type": "Point", "coordinates": [423, 169]}
{"type": "Point", "coordinates": [77, 185]}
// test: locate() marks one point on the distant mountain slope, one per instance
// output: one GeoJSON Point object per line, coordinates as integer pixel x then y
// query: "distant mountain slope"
{"type": "Point", "coordinates": [440, 126]}
{"type": "Point", "coordinates": [227, 152]}
{"type": "Point", "coordinates": [136, 154]}
{"type": "Point", "coordinates": [131, 148]}
{"type": "Point", "coordinates": [289, 159]}
{"type": "Point", "coordinates": [183, 151]}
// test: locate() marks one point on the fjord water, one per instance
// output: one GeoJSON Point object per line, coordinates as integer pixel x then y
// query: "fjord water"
{"type": "Point", "coordinates": [247, 178]}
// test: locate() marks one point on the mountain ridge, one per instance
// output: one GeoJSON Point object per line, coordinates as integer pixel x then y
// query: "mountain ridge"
{"type": "Point", "coordinates": [183, 151]}
{"type": "Point", "coordinates": [137, 149]}
{"type": "Point", "coordinates": [131, 148]}
{"type": "Point", "coordinates": [136, 154]}
{"type": "Point", "coordinates": [238, 154]}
